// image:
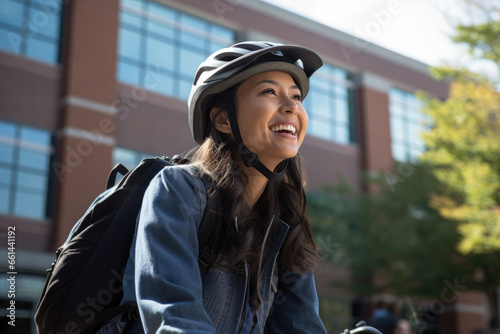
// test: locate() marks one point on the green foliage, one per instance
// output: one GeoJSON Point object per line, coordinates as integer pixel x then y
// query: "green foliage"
{"type": "Point", "coordinates": [392, 241]}
{"type": "Point", "coordinates": [483, 39]}
{"type": "Point", "coordinates": [482, 32]}
{"type": "Point", "coordinates": [464, 146]}
{"type": "Point", "coordinates": [441, 221]}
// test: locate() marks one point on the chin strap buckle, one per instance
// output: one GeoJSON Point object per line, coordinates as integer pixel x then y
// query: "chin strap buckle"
{"type": "Point", "coordinates": [249, 158]}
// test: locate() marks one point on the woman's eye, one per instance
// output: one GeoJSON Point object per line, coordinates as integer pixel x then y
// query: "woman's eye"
{"type": "Point", "coordinates": [269, 91]}
{"type": "Point", "coordinates": [298, 97]}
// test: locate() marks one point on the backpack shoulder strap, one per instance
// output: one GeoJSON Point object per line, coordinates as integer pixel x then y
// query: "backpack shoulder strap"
{"type": "Point", "coordinates": [208, 226]}
{"type": "Point", "coordinates": [119, 168]}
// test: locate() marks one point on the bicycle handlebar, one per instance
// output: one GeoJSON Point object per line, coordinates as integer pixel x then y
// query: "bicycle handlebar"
{"type": "Point", "coordinates": [362, 328]}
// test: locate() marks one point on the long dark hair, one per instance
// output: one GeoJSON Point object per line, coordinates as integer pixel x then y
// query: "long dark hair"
{"type": "Point", "coordinates": [241, 234]}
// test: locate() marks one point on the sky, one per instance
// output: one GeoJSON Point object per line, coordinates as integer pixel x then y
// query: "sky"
{"type": "Point", "coordinates": [419, 29]}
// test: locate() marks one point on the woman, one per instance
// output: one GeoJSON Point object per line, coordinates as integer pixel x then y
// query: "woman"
{"type": "Point", "coordinates": [245, 109]}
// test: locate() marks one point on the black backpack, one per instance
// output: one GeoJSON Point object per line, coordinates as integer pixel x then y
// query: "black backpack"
{"type": "Point", "coordinates": [84, 284]}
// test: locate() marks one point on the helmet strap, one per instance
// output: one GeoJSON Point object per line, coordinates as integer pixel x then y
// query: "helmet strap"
{"type": "Point", "coordinates": [249, 158]}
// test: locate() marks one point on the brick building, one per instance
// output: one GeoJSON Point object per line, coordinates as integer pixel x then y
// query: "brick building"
{"type": "Point", "coordinates": [87, 84]}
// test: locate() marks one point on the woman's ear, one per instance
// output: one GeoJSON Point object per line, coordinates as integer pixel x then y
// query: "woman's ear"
{"type": "Point", "coordinates": [220, 120]}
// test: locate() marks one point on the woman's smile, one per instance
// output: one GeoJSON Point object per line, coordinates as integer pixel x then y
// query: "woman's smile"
{"type": "Point", "coordinates": [271, 117]}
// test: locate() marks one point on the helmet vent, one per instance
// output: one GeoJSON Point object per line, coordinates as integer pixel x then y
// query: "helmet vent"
{"type": "Point", "coordinates": [250, 47]}
{"type": "Point", "coordinates": [227, 58]}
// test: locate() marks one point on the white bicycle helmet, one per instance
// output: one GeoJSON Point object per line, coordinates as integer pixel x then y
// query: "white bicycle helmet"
{"type": "Point", "coordinates": [230, 66]}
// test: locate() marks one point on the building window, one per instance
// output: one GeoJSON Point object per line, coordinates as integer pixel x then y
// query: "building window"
{"type": "Point", "coordinates": [129, 158]}
{"type": "Point", "coordinates": [407, 122]}
{"type": "Point", "coordinates": [330, 105]}
{"type": "Point", "coordinates": [160, 48]}
{"type": "Point", "coordinates": [25, 154]}
{"type": "Point", "coordinates": [31, 28]}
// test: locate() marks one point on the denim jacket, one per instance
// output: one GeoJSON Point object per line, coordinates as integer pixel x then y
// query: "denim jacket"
{"type": "Point", "coordinates": [163, 276]}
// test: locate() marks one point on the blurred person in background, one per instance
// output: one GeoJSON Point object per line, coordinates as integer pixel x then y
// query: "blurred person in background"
{"type": "Point", "coordinates": [384, 318]}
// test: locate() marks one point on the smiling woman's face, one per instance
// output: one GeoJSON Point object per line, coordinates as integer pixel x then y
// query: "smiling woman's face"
{"type": "Point", "coordinates": [271, 117]}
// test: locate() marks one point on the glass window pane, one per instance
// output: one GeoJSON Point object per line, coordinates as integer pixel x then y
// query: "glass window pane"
{"type": "Point", "coordinates": [160, 29]}
{"type": "Point", "coordinates": [34, 160]}
{"type": "Point", "coordinates": [49, 6]}
{"type": "Point", "coordinates": [160, 54]}
{"type": "Point", "coordinates": [192, 40]}
{"type": "Point", "coordinates": [340, 91]}
{"type": "Point", "coordinates": [397, 110]}
{"type": "Point", "coordinates": [214, 46]}
{"type": "Point", "coordinates": [31, 29]}
{"type": "Point", "coordinates": [184, 89]}
{"type": "Point", "coordinates": [6, 153]}
{"type": "Point", "coordinates": [307, 105]}
{"type": "Point", "coordinates": [319, 105]}
{"type": "Point", "coordinates": [414, 154]}
{"type": "Point", "coordinates": [5, 176]}
{"type": "Point", "coordinates": [193, 24]}
{"type": "Point", "coordinates": [415, 116]}
{"type": "Point", "coordinates": [135, 4]}
{"type": "Point", "coordinates": [406, 124]}
{"type": "Point", "coordinates": [321, 129]}
{"type": "Point", "coordinates": [161, 13]}
{"type": "Point", "coordinates": [4, 199]}
{"type": "Point", "coordinates": [318, 83]}
{"type": "Point", "coordinates": [12, 13]}
{"type": "Point", "coordinates": [342, 134]}
{"type": "Point", "coordinates": [161, 20]}
{"type": "Point", "coordinates": [43, 22]}
{"type": "Point", "coordinates": [341, 110]}
{"type": "Point", "coordinates": [419, 145]}
{"type": "Point", "coordinates": [414, 131]}
{"type": "Point", "coordinates": [24, 170]}
{"type": "Point", "coordinates": [129, 158]}
{"type": "Point", "coordinates": [128, 73]}
{"type": "Point", "coordinates": [414, 102]}
{"type": "Point", "coordinates": [222, 36]}
{"type": "Point", "coordinates": [189, 61]}
{"type": "Point", "coordinates": [131, 19]}
{"type": "Point", "coordinates": [10, 41]}
{"type": "Point", "coordinates": [163, 85]}
{"type": "Point", "coordinates": [32, 181]}
{"type": "Point", "coordinates": [396, 95]}
{"type": "Point", "coordinates": [123, 156]}
{"type": "Point", "coordinates": [35, 136]}
{"type": "Point", "coordinates": [155, 77]}
{"type": "Point", "coordinates": [328, 70]}
{"type": "Point", "coordinates": [129, 44]}
{"type": "Point", "coordinates": [339, 74]}
{"type": "Point", "coordinates": [175, 44]}
{"type": "Point", "coordinates": [42, 50]}
{"type": "Point", "coordinates": [7, 130]}
{"type": "Point", "coordinates": [397, 130]}
{"type": "Point", "coordinates": [29, 205]}
{"type": "Point", "coordinates": [398, 152]}
{"type": "Point", "coordinates": [141, 156]}
{"type": "Point", "coordinates": [329, 102]}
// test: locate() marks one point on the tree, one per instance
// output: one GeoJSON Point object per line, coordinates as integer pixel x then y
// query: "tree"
{"type": "Point", "coordinates": [463, 144]}
{"type": "Point", "coordinates": [392, 241]}
{"type": "Point", "coordinates": [442, 221]}
{"type": "Point", "coordinates": [482, 33]}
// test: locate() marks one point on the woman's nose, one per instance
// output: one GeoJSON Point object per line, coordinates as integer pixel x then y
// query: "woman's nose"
{"type": "Point", "coordinates": [288, 105]}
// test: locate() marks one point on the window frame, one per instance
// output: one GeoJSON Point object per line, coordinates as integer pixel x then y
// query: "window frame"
{"type": "Point", "coordinates": [16, 168]}
{"type": "Point", "coordinates": [174, 80]}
